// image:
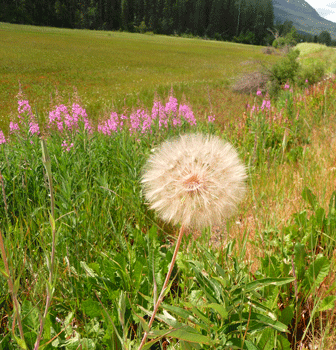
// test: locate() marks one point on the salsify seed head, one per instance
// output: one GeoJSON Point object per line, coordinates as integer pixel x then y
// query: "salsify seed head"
{"type": "Point", "coordinates": [195, 180]}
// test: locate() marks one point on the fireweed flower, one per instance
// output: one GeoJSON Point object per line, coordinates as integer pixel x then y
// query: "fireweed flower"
{"type": "Point", "coordinates": [195, 180]}
{"type": "Point", "coordinates": [2, 138]}
{"type": "Point", "coordinates": [259, 93]}
{"type": "Point", "coordinates": [13, 127]}
{"type": "Point", "coordinates": [34, 128]}
{"type": "Point", "coordinates": [211, 119]}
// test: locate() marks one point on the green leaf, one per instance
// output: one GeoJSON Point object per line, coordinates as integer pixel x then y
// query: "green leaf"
{"type": "Point", "coordinates": [4, 273]}
{"type": "Point", "coordinates": [287, 315]}
{"type": "Point", "coordinates": [91, 308]}
{"type": "Point", "coordinates": [309, 197]}
{"type": "Point", "coordinates": [52, 222]}
{"type": "Point", "coordinates": [22, 344]}
{"type": "Point", "coordinates": [258, 321]}
{"type": "Point", "coordinates": [317, 272]}
{"type": "Point", "coordinates": [264, 282]}
{"type": "Point", "coordinates": [332, 204]}
{"type": "Point", "coordinates": [328, 303]}
{"type": "Point", "coordinates": [237, 344]}
{"type": "Point", "coordinates": [187, 334]}
{"type": "Point", "coordinates": [220, 309]}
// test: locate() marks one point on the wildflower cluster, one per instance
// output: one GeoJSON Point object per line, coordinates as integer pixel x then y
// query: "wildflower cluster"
{"type": "Point", "coordinates": [67, 121]}
{"type": "Point", "coordinates": [26, 121]}
{"type": "Point", "coordinates": [141, 121]}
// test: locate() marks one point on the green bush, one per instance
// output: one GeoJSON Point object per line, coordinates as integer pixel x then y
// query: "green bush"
{"type": "Point", "coordinates": [280, 42]}
{"type": "Point", "coordinates": [312, 70]}
{"type": "Point", "coordinates": [284, 71]}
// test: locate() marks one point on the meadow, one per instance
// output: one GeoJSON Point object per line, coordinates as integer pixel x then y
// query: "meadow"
{"type": "Point", "coordinates": [84, 258]}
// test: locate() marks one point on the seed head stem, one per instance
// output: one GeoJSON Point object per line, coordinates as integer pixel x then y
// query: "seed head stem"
{"type": "Point", "coordinates": [165, 285]}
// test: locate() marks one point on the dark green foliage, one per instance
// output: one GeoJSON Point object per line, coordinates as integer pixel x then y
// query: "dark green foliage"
{"type": "Point", "coordinates": [286, 70]}
{"type": "Point", "coordinates": [324, 38]}
{"type": "Point", "coordinates": [219, 19]}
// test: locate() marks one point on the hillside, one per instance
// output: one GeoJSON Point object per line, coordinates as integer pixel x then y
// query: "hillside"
{"type": "Point", "coordinates": [304, 17]}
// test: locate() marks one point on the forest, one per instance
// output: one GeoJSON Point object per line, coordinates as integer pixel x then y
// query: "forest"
{"type": "Point", "coordinates": [243, 21]}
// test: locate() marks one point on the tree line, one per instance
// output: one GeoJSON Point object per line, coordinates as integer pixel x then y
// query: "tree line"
{"type": "Point", "coordinates": [243, 21]}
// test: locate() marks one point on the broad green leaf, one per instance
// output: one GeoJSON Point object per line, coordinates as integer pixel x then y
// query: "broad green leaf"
{"type": "Point", "coordinates": [266, 340]}
{"type": "Point", "coordinates": [90, 272]}
{"type": "Point", "coordinates": [265, 282]}
{"type": "Point", "coordinates": [4, 273]}
{"type": "Point", "coordinates": [287, 315]}
{"type": "Point", "coordinates": [328, 303]}
{"type": "Point", "coordinates": [187, 334]}
{"type": "Point", "coordinates": [220, 309]}
{"type": "Point", "coordinates": [177, 310]}
{"type": "Point", "coordinates": [237, 344]}
{"type": "Point", "coordinates": [309, 197]}
{"type": "Point", "coordinates": [260, 319]}
{"type": "Point", "coordinates": [317, 272]}
{"type": "Point", "coordinates": [22, 344]}
{"type": "Point", "coordinates": [91, 308]}
{"type": "Point", "coordinates": [260, 307]}
{"type": "Point", "coordinates": [332, 204]}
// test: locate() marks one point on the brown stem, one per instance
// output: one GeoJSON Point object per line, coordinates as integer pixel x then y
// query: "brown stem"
{"type": "Point", "coordinates": [47, 164]}
{"type": "Point", "coordinates": [3, 192]}
{"type": "Point", "coordinates": [165, 285]}
{"type": "Point", "coordinates": [11, 287]}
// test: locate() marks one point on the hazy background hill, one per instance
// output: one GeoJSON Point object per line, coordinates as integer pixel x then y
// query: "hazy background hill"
{"type": "Point", "coordinates": [305, 18]}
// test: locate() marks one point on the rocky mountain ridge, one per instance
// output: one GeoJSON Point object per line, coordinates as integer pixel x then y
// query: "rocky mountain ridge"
{"type": "Point", "coordinates": [304, 17]}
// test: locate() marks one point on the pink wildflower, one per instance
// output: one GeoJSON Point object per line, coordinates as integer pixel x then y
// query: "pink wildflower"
{"type": "Point", "coordinates": [24, 107]}
{"type": "Point", "coordinates": [13, 127]}
{"type": "Point", "coordinates": [259, 93]}
{"type": "Point", "coordinates": [146, 122]}
{"type": "Point", "coordinates": [67, 147]}
{"type": "Point", "coordinates": [34, 128]}
{"type": "Point", "coordinates": [187, 113]}
{"type": "Point", "coordinates": [135, 122]}
{"type": "Point", "coordinates": [171, 106]}
{"type": "Point", "coordinates": [266, 104]}
{"type": "Point", "coordinates": [211, 119]}
{"type": "Point", "coordinates": [2, 138]}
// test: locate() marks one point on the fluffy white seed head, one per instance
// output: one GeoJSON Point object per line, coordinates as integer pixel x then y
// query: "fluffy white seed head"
{"type": "Point", "coordinates": [194, 180]}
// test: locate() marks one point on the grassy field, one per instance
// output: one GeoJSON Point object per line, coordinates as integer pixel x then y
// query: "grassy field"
{"type": "Point", "coordinates": [82, 255]}
{"type": "Point", "coordinates": [114, 68]}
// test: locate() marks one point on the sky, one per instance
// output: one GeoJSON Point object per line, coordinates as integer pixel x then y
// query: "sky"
{"type": "Point", "coordinates": [325, 8]}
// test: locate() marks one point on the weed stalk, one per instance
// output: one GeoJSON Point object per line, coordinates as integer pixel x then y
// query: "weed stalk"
{"type": "Point", "coordinates": [13, 292]}
{"type": "Point", "coordinates": [51, 265]}
{"type": "Point", "coordinates": [165, 285]}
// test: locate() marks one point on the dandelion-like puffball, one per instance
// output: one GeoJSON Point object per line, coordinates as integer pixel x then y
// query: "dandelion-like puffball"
{"type": "Point", "coordinates": [194, 180]}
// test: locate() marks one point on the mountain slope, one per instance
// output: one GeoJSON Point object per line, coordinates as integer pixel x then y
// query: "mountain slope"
{"type": "Point", "coordinates": [304, 17]}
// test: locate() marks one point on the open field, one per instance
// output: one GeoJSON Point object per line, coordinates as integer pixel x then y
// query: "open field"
{"type": "Point", "coordinates": [83, 256]}
{"type": "Point", "coordinates": [114, 68]}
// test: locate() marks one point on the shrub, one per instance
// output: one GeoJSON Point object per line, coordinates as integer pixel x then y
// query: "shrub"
{"type": "Point", "coordinates": [280, 42]}
{"type": "Point", "coordinates": [312, 72]}
{"type": "Point", "coordinates": [285, 70]}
